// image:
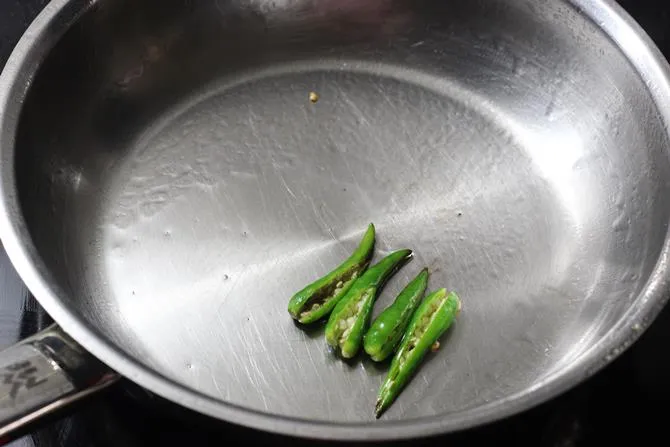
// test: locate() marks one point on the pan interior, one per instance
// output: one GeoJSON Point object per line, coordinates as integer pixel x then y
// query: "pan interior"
{"type": "Point", "coordinates": [180, 185]}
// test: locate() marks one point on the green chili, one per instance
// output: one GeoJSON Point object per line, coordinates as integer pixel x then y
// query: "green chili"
{"type": "Point", "coordinates": [351, 316]}
{"type": "Point", "coordinates": [388, 328]}
{"type": "Point", "coordinates": [433, 317]}
{"type": "Point", "coordinates": [318, 299]}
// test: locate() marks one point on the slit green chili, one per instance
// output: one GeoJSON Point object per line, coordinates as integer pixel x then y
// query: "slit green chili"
{"type": "Point", "coordinates": [351, 316]}
{"type": "Point", "coordinates": [388, 328]}
{"type": "Point", "coordinates": [319, 298]}
{"type": "Point", "coordinates": [433, 317]}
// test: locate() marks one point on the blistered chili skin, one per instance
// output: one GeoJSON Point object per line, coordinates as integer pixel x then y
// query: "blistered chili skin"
{"type": "Point", "coordinates": [388, 328]}
{"type": "Point", "coordinates": [319, 298]}
{"type": "Point", "coordinates": [351, 316]}
{"type": "Point", "coordinates": [433, 317]}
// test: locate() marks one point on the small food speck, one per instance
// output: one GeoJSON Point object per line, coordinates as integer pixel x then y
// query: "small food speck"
{"type": "Point", "coordinates": [435, 346]}
{"type": "Point", "coordinates": [313, 97]}
{"type": "Point", "coordinates": [459, 213]}
{"type": "Point", "coordinates": [153, 53]}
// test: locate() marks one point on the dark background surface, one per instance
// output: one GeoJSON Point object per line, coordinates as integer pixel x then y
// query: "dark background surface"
{"type": "Point", "coordinates": [628, 402]}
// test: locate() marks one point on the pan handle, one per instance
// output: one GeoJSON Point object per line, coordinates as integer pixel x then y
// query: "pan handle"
{"type": "Point", "coordinates": [43, 374]}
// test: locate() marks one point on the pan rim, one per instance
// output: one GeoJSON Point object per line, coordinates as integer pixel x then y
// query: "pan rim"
{"type": "Point", "coordinates": [37, 41]}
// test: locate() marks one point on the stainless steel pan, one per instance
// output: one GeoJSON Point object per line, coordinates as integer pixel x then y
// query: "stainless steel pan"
{"type": "Point", "coordinates": [167, 184]}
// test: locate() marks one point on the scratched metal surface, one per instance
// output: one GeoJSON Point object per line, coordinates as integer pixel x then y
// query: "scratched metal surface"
{"type": "Point", "coordinates": [509, 144]}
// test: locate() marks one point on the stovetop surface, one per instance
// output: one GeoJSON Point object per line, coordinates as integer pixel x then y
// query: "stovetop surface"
{"type": "Point", "coordinates": [626, 402]}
